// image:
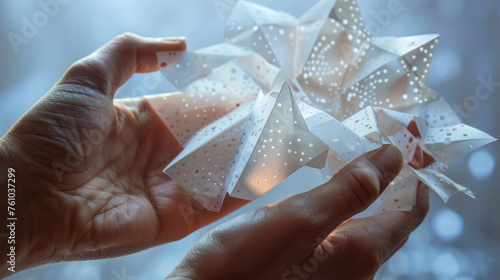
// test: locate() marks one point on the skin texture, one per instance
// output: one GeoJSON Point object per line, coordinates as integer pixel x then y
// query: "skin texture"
{"type": "Point", "coordinates": [89, 185]}
{"type": "Point", "coordinates": [312, 235]}
{"type": "Point", "coordinates": [89, 169]}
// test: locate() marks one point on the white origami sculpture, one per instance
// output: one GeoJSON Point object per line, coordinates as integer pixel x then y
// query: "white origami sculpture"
{"type": "Point", "coordinates": [281, 93]}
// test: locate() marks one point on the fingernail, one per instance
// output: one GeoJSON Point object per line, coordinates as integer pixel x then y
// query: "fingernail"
{"type": "Point", "coordinates": [388, 160]}
{"type": "Point", "coordinates": [172, 39]}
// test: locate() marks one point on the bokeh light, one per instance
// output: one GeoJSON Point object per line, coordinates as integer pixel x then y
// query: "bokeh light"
{"type": "Point", "coordinates": [446, 266]}
{"type": "Point", "coordinates": [481, 164]}
{"type": "Point", "coordinates": [447, 224]}
{"type": "Point", "coordinates": [446, 65]}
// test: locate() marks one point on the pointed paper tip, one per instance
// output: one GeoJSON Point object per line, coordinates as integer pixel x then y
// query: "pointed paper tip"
{"type": "Point", "coordinates": [469, 193]}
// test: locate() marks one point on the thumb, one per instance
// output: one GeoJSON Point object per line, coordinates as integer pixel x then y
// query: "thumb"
{"type": "Point", "coordinates": [306, 219]}
{"type": "Point", "coordinates": [114, 63]}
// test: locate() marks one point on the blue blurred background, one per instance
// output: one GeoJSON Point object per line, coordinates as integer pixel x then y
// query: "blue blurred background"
{"type": "Point", "coordinates": [459, 240]}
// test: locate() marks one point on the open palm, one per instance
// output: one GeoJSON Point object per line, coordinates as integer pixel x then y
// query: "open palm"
{"type": "Point", "coordinates": [92, 185]}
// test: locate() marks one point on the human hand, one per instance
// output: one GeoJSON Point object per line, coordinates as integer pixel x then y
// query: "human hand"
{"type": "Point", "coordinates": [89, 169]}
{"type": "Point", "coordinates": [312, 235]}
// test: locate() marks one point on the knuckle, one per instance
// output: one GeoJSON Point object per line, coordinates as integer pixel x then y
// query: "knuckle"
{"type": "Point", "coordinates": [342, 243]}
{"type": "Point", "coordinates": [127, 37]}
{"type": "Point", "coordinates": [300, 216]}
{"type": "Point", "coordinates": [90, 73]}
{"type": "Point", "coordinates": [87, 65]}
{"type": "Point", "coordinates": [215, 236]}
{"type": "Point", "coordinates": [125, 44]}
{"type": "Point", "coordinates": [361, 189]}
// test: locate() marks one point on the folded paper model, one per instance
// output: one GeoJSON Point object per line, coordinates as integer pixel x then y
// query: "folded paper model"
{"type": "Point", "coordinates": [280, 94]}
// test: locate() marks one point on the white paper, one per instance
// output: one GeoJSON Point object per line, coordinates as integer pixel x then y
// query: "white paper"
{"type": "Point", "coordinates": [281, 94]}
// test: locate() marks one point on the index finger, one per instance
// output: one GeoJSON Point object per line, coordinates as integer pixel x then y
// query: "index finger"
{"type": "Point", "coordinates": [114, 63]}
